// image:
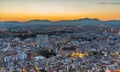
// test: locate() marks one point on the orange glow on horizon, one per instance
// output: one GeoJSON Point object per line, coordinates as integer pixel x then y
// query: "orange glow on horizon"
{"type": "Point", "coordinates": [23, 18]}
{"type": "Point", "coordinates": [55, 17]}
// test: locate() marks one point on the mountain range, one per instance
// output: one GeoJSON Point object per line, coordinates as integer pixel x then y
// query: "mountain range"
{"type": "Point", "coordinates": [82, 22]}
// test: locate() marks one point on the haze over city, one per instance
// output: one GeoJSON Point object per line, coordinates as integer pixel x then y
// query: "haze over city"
{"type": "Point", "coordinates": [55, 10]}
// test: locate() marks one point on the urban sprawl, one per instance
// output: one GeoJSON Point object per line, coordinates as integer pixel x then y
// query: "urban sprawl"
{"type": "Point", "coordinates": [60, 49]}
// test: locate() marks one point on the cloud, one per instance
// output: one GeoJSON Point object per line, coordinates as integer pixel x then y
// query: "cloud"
{"type": "Point", "coordinates": [109, 3]}
{"type": "Point", "coordinates": [102, 3]}
{"type": "Point", "coordinates": [115, 3]}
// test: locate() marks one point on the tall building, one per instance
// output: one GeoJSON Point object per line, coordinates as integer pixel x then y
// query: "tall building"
{"type": "Point", "coordinates": [42, 41]}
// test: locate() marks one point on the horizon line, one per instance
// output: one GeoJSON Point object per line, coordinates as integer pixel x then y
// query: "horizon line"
{"type": "Point", "coordinates": [57, 20]}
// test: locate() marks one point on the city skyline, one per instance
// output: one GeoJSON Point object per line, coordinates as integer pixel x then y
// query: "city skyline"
{"type": "Point", "coordinates": [55, 10]}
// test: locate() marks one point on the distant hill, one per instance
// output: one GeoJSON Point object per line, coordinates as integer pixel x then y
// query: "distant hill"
{"type": "Point", "coordinates": [36, 21]}
{"type": "Point", "coordinates": [83, 21]}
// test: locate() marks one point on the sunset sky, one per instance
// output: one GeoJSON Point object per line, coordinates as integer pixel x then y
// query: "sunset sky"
{"type": "Point", "coordinates": [23, 10]}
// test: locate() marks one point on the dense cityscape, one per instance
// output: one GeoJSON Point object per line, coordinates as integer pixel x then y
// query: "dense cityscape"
{"type": "Point", "coordinates": [59, 35]}
{"type": "Point", "coordinates": [60, 49]}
